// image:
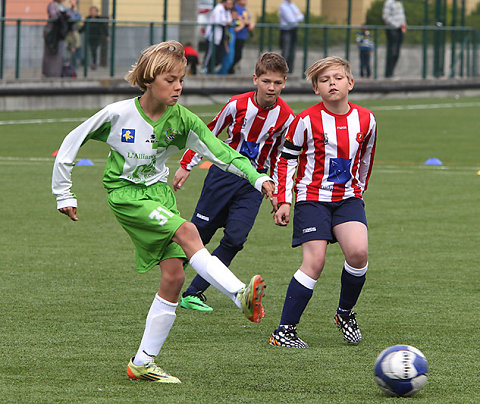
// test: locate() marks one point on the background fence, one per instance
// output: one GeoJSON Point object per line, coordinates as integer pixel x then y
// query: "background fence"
{"type": "Point", "coordinates": [439, 51]}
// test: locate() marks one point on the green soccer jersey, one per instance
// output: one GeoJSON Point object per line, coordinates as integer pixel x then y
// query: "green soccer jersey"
{"type": "Point", "coordinates": [140, 147]}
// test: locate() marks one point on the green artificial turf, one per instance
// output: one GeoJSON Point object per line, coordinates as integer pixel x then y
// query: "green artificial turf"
{"type": "Point", "coordinates": [73, 307]}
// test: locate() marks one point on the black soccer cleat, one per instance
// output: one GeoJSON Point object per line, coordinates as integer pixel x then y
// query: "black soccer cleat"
{"type": "Point", "coordinates": [348, 324]}
{"type": "Point", "coordinates": [286, 335]}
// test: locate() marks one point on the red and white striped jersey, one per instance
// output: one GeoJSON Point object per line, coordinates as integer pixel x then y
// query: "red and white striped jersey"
{"type": "Point", "coordinates": [334, 155]}
{"type": "Point", "coordinates": [253, 131]}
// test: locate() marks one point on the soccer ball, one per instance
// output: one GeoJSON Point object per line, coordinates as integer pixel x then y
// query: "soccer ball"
{"type": "Point", "coordinates": [401, 370]}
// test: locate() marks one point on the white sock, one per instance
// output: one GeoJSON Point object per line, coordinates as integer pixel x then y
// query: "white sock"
{"type": "Point", "coordinates": [303, 279]}
{"type": "Point", "coordinates": [159, 321]}
{"type": "Point", "coordinates": [216, 274]}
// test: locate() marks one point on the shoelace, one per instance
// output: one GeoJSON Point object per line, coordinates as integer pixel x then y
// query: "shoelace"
{"type": "Point", "coordinates": [201, 296]}
{"type": "Point", "coordinates": [155, 367]}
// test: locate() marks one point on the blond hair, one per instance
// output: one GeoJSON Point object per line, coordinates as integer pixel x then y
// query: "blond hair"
{"type": "Point", "coordinates": [315, 70]}
{"type": "Point", "coordinates": [271, 62]}
{"type": "Point", "coordinates": [155, 60]}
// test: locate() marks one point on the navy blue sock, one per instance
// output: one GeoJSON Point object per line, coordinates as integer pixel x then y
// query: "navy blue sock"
{"type": "Point", "coordinates": [350, 291]}
{"type": "Point", "coordinates": [198, 285]}
{"type": "Point", "coordinates": [296, 301]}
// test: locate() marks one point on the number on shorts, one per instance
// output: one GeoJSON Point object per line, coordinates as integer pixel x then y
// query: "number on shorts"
{"type": "Point", "coordinates": [162, 219]}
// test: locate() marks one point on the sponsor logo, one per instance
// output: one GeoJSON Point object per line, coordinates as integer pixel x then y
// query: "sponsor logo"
{"type": "Point", "coordinates": [139, 156]}
{"type": "Point", "coordinates": [309, 230]}
{"type": "Point", "coordinates": [200, 216]}
{"type": "Point", "coordinates": [128, 135]}
{"type": "Point", "coordinates": [153, 139]}
{"type": "Point", "coordinates": [170, 135]}
{"type": "Point", "coordinates": [341, 127]}
{"type": "Point", "coordinates": [144, 171]}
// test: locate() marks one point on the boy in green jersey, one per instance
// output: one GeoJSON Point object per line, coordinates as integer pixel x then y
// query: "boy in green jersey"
{"type": "Point", "coordinates": [142, 134]}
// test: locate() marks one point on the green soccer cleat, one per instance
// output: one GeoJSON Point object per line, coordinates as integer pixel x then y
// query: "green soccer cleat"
{"type": "Point", "coordinates": [195, 302]}
{"type": "Point", "coordinates": [251, 299]}
{"type": "Point", "coordinates": [150, 371]}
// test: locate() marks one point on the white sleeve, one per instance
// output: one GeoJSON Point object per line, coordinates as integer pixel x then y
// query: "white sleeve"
{"type": "Point", "coordinates": [62, 168]}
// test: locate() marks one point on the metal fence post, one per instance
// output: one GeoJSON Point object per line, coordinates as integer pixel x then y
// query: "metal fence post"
{"type": "Point", "coordinates": [2, 39]}
{"type": "Point", "coordinates": [152, 31]}
{"type": "Point", "coordinates": [425, 41]}
{"type": "Point", "coordinates": [85, 48]}
{"type": "Point", "coordinates": [17, 50]}
{"type": "Point", "coordinates": [165, 11]}
{"type": "Point", "coordinates": [262, 28]}
{"type": "Point", "coordinates": [270, 38]}
{"type": "Point", "coordinates": [475, 54]}
{"type": "Point", "coordinates": [306, 37]}
{"type": "Point", "coordinates": [453, 38]}
{"type": "Point", "coordinates": [113, 40]}
{"type": "Point", "coordinates": [375, 53]}
{"type": "Point", "coordinates": [325, 42]}
{"type": "Point", "coordinates": [349, 21]}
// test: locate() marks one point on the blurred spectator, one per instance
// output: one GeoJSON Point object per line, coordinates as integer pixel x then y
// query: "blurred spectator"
{"type": "Point", "coordinates": [73, 42]}
{"type": "Point", "coordinates": [365, 46]}
{"type": "Point", "coordinates": [229, 42]}
{"type": "Point", "coordinates": [96, 33]}
{"type": "Point", "coordinates": [54, 35]}
{"type": "Point", "coordinates": [394, 16]}
{"type": "Point", "coordinates": [242, 34]}
{"type": "Point", "coordinates": [290, 16]}
{"type": "Point", "coordinates": [220, 19]}
{"type": "Point", "coordinates": [192, 58]}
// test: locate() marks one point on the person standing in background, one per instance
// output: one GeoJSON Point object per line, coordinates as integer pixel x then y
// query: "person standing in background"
{"type": "Point", "coordinates": [365, 47]}
{"type": "Point", "coordinates": [220, 19]}
{"type": "Point", "coordinates": [290, 16]}
{"type": "Point", "coordinates": [96, 33]}
{"type": "Point", "coordinates": [242, 35]}
{"type": "Point", "coordinates": [54, 39]}
{"type": "Point", "coordinates": [73, 42]}
{"type": "Point", "coordinates": [394, 16]}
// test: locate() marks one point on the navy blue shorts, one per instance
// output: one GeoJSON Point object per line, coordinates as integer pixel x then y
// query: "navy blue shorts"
{"type": "Point", "coordinates": [314, 220]}
{"type": "Point", "coordinates": [226, 200]}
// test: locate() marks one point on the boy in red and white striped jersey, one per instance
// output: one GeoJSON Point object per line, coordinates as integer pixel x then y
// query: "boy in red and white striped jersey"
{"type": "Point", "coordinates": [327, 158]}
{"type": "Point", "coordinates": [256, 124]}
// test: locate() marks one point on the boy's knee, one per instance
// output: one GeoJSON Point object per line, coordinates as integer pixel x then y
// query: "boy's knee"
{"type": "Point", "coordinates": [187, 230]}
{"type": "Point", "coordinates": [174, 277]}
{"type": "Point", "coordinates": [233, 242]}
{"type": "Point", "coordinates": [358, 259]}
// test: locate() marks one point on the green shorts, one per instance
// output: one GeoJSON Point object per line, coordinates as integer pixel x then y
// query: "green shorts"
{"type": "Point", "coordinates": [150, 217]}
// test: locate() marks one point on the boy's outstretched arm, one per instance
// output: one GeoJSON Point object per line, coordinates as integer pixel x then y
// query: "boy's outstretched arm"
{"type": "Point", "coordinates": [180, 177]}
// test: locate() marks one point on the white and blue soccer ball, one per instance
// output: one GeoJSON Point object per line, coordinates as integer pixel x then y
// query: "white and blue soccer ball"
{"type": "Point", "coordinates": [401, 370]}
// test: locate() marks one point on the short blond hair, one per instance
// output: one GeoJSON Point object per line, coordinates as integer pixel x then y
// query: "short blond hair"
{"type": "Point", "coordinates": [315, 70]}
{"type": "Point", "coordinates": [155, 60]}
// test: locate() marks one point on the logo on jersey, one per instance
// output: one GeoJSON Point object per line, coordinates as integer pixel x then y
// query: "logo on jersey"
{"type": "Point", "coordinates": [153, 139]}
{"type": "Point", "coordinates": [360, 137]}
{"type": "Point", "coordinates": [324, 138]}
{"type": "Point", "coordinates": [128, 135]}
{"type": "Point", "coordinates": [339, 170]}
{"type": "Point", "coordinates": [170, 135]}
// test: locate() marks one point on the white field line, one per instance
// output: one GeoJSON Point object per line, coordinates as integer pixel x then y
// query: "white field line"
{"type": "Point", "coordinates": [208, 114]}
